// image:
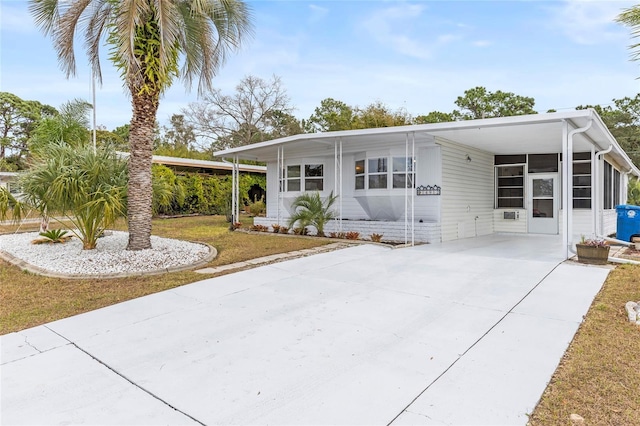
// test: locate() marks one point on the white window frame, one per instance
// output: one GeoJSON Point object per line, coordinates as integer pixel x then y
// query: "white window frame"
{"type": "Point", "coordinates": [388, 174]}
{"type": "Point", "coordinates": [302, 177]}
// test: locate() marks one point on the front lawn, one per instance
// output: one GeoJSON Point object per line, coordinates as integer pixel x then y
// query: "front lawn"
{"type": "Point", "coordinates": [29, 300]}
{"type": "Point", "coordinates": [598, 377]}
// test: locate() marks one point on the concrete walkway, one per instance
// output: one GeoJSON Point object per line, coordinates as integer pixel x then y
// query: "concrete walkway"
{"type": "Point", "coordinates": [467, 332]}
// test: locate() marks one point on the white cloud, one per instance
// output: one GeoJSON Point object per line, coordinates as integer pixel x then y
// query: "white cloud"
{"type": "Point", "coordinates": [390, 27]}
{"type": "Point", "coordinates": [589, 22]}
{"type": "Point", "coordinates": [447, 38]}
{"type": "Point", "coordinates": [482, 43]}
{"type": "Point", "coordinates": [318, 13]}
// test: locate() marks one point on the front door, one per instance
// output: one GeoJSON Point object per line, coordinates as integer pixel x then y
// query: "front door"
{"type": "Point", "coordinates": [542, 203]}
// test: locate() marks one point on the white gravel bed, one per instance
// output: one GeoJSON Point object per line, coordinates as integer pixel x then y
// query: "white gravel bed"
{"type": "Point", "coordinates": [110, 256]}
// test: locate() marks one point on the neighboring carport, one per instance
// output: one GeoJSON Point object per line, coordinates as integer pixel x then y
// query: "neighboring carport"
{"type": "Point", "coordinates": [463, 332]}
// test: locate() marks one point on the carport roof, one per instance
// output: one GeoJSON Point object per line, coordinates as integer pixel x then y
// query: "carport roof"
{"type": "Point", "coordinates": [525, 134]}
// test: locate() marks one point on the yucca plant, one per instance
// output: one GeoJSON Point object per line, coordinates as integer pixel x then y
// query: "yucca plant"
{"type": "Point", "coordinates": [53, 236]}
{"type": "Point", "coordinates": [312, 210]}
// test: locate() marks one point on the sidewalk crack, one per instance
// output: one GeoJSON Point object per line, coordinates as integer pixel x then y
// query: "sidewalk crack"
{"type": "Point", "coordinates": [147, 391]}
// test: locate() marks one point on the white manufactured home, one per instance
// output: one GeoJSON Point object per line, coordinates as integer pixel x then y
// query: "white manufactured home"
{"type": "Point", "coordinates": [556, 173]}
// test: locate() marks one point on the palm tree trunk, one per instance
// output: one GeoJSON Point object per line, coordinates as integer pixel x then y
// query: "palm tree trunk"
{"type": "Point", "coordinates": [145, 107]}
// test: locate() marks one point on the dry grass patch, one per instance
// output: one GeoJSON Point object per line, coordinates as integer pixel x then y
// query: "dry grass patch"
{"type": "Point", "coordinates": [598, 377]}
{"type": "Point", "coordinates": [29, 300]}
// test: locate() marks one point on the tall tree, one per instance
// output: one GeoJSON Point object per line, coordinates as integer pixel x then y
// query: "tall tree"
{"type": "Point", "coordinates": [331, 115]}
{"type": "Point", "coordinates": [378, 114]}
{"type": "Point", "coordinates": [437, 117]}
{"type": "Point", "coordinates": [283, 124]}
{"type": "Point", "coordinates": [18, 119]}
{"type": "Point", "coordinates": [178, 139]}
{"type": "Point", "coordinates": [480, 103]}
{"type": "Point", "coordinates": [241, 118]}
{"type": "Point", "coordinates": [623, 121]}
{"type": "Point", "coordinates": [149, 40]}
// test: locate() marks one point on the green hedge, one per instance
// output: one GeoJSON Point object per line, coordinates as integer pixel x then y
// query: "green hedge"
{"type": "Point", "coordinates": [198, 194]}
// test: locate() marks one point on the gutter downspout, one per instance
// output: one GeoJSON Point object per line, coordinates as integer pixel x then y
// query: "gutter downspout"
{"type": "Point", "coordinates": [567, 151]}
{"type": "Point", "coordinates": [595, 197]}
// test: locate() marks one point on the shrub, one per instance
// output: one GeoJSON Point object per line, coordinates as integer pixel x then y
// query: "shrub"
{"type": "Point", "coordinates": [87, 188]}
{"type": "Point", "coordinates": [311, 210]}
{"type": "Point", "coordinates": [352, 235]}
{"type": "Point", "coordinates": [284, 230]}
{"type": "Point", "coordinates": [258, 208]}
{"type": "Point", "coordinates": [376, 238]}
{"type": "Point", "coordinates": [260, 228]}
{"type": "Point", "coordinates": [301, 230]}
{"type": "Point", "coordinates": [276, 228]}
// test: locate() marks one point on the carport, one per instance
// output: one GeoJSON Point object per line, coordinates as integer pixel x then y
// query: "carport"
{"type": "Point", "coordinates": [464, 332]}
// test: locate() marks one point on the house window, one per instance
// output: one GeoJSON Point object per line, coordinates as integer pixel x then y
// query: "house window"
{"type": "Point", "coordinates": [312, 180]}
{"type": "Point", "coordinates": [510, 180]}
{"type": "Point", "coordinates": [616, 188]}
{"type": "Point", "coordinates": [377, 173]}
{"type": "Point", "coordinates": [543, 163]}
{"type": "Point", "coordinates": [581, 180]}
{"type": "Point", "coordinates": [380, 172]}
{"type": "Point", "coordinates": [313, 177]}
{"type": "Point", "coordinates": [611, 188]}
{"type": "Point", "coordinates": [403, 172]}
{"type": "Point", "coordinates": [510, 186]}
{"type": "Point", "coordinates": [359, 174]}
{"type": "Point", "coordinates": [293, 178]}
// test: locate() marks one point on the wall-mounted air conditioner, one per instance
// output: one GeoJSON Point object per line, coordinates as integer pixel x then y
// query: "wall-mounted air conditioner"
{"type": "Point", "coordinates": [511, 215]}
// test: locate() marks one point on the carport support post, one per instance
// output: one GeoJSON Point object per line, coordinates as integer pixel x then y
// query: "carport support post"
{"type": "Point", "coordinates": [565, 189]}
{"type": "Point", "coordinates": [235, 184]}
{"type": "Point", "coordinates": [337, 181]}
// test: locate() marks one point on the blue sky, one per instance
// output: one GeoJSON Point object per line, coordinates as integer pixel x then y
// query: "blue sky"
{"type": "Point", "coordinates": [417, 55]}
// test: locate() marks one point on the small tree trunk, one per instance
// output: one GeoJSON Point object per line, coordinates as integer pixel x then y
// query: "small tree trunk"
{"type": "Point", "coordinates": [44, 221]}
{"type": "Point", "coordinates": [139, 209]}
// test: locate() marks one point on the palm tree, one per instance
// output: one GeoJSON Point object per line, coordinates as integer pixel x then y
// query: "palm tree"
{"type": "Point", "coordinates": [85, 187]}
{"type": "Point", "coordinates": [631, 18]}
{"type": "Point", "coordinates": [311, 210]}
{"type": "Point", "coordinates": [151, 42]}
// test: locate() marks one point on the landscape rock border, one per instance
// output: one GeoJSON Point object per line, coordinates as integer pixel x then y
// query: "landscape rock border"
{"type": "Point", "coordinates": [633, 311]}
{"type": "Point", "coordinates": [26, 266]}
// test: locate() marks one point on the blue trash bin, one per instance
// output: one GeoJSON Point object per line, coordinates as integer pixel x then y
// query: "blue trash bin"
{"type": "Point", "coordinates": [628, 225]}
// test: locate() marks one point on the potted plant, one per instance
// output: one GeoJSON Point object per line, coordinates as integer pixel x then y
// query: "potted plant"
{"type": "Point", "coordinates": [593, 250]}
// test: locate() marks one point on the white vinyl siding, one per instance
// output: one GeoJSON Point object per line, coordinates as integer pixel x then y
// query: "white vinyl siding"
{"type": "Point", "coordinates": [609, 222]}
{"type": "Point", "coordinates": [428, 173]}
{"type": "Point", "coordinates": [467, 191]}
{"type": "Point", "coordinates": [517, 225]}
{"type": "Point", "coordinates": [582, 224]}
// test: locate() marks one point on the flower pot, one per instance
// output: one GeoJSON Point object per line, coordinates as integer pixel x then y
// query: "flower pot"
{"type": "Point", "coordinates": [595, 255]}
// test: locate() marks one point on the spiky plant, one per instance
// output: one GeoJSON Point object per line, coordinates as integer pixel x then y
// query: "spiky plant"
{"type": "Point", "coordinates": [312, 210]}
{"type": "Point", "coordinates": [87, 188]}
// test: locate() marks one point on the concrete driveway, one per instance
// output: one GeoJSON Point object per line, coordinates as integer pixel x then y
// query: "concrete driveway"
{"type": "Point", "coordinates": [467, 332]}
